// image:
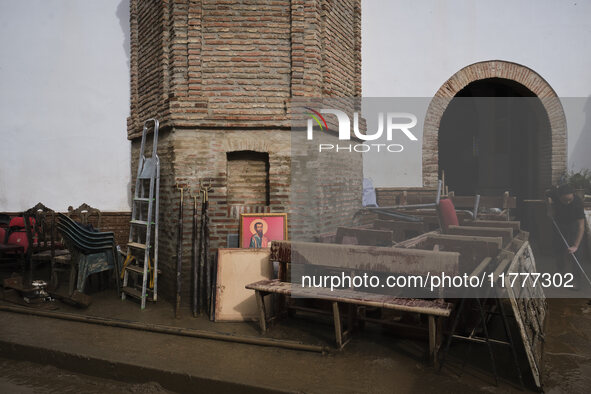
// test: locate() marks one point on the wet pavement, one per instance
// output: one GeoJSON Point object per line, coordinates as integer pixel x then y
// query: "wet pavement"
{"type": "Point", "coordinates": [567, 351]}
{"type": "Point", "coordinates": [23, 377]}
{"type": "Point", "coordinates": [86, 358]}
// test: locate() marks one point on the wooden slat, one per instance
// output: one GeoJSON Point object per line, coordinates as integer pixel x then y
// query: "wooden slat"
{"type": "Point", "coordinates": [363, 236]}
{"type": "Point", "coordinates": [477, 241]}
{"type": "Point", "coordinates": [505, 233]}
{"type": "Point", "coordinates": [367, 258]}
{"type": "Point", "coordinates": [337, 324]}
{"type": "Point", "coordinates": [472, 249]}
{"type": "Point", "coordinates": [399, 225]}
{"type": "Point", "coordinates": [513, 224]}
{"type": "Point", "coordinates": [436, 308]}
{"type": "Point", "coordinates": [413, 242]}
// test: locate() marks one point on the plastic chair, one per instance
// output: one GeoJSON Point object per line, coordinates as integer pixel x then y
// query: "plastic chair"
{"type": "Point", "coordinates": [92, 252]}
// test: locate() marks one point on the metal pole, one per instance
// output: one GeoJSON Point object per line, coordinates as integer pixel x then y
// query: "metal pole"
{"type": "Point", "coordinates": [438, 197]}
{"type": "Point", "coordinates": [476, 203]}
{"type": "Point", "coordinates": [179, 256]}
{"type": "Point", "coordinates": [158, 328]}
{"type": "Point", "coordinates": [204, 265]}
{"type": "Point", "coordinates": [572, 254]}
{"type": "Point", "coordinates": [195, 258]}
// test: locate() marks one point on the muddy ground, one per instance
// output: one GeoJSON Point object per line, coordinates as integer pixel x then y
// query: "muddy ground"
{"type": "Point", "coordinates": [84, 358]}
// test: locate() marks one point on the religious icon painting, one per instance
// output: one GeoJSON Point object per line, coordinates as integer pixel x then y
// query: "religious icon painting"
{"type": "Point", "coordinates": [257, 230]}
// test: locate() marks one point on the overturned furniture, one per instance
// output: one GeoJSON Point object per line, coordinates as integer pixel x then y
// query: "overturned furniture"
{"type": "Point", "coordinates": [355, 260]}
{"type": "Point", "coordinates": [504, 254]}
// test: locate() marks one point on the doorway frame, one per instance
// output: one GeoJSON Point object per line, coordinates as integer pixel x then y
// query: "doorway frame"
{"type": "Point", "coordinates": [554, 149]}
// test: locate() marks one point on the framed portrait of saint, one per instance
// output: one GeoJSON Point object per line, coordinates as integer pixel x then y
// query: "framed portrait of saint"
{"type": "Point", "coordinates": [257, 230]}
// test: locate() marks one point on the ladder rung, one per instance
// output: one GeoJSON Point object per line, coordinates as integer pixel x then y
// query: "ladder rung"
{"type": "Point", "coordinates": [140, 222]}
{"type": "Point", "coordinates": [136, 245]}
{"type": "Point", "coordinates": [144, 199]}
{"type": "Point", "coordinates": [137, 269]}
{"type": "Point", "coordinates": [133, 292]}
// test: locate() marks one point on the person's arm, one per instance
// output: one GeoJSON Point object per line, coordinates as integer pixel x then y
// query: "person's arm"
{"type": "Point", "coordinates": [550, 209]}
{"type": "Point", "coordinates": [579, 237]}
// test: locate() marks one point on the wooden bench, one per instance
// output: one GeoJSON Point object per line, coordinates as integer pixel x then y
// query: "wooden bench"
{"type": "Point", "coordinates": [351, 259]}
{"type": "Point", "coordinates": [434, 309]}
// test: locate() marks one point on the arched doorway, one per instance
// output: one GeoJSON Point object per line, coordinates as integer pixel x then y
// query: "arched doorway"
{"type": "Point", "coordinates": [489, 139]}
{"type": "Point", "coordinates": [467, 143]}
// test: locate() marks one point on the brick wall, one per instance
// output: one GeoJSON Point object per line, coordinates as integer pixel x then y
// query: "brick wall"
{"type": "Point", "coordinates": [117, 222]}
{"type": "Point", "coordinates": [219, 75]}
{"type": "Point", "coordinates": [552, 148]}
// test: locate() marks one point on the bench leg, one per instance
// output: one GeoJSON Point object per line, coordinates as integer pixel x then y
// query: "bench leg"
{"type": "Point", "coordinates": [435, 339]}
{"type": "Point", "coordinates": [261, 305]}
{"type": "Point", "coordinates": [338, 329]}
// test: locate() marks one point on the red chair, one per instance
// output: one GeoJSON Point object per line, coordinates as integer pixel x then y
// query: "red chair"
{"type": "Point", "coordinates": [17, 233]}
{"type": "Point", "coordinates": [14, 241]}
{"type": "Point", "coordinates": [447, 214]}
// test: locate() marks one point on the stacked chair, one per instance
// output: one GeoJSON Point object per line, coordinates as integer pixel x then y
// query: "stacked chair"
{"type": "Point", "coordinates": [92, 252]}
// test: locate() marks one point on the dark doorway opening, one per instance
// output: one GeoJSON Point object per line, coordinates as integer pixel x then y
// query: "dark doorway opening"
{"type": "Point", "coordinates": [248, 178]}
{"type": "Point", "coordinates": [495, 136]}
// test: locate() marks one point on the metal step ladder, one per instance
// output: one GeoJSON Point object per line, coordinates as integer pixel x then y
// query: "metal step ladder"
{"type": "Point", "coordinates": [141, 261]}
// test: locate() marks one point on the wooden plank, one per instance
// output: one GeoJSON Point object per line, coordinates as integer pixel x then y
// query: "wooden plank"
{"type": "Point", "coordinates": [437, 308]}
{"type": "Point", "coordinates": [505, 233]}
{"type": "Point", "coordinates": [236, 268]}
{"type": "Point", "coordinates": [338, 330]}
{"type": "Point", "coordinates": [432, 339]}
{"type": "Point", "coordinates": [366, 258]}
{"type": "Point", "coordinates": [438, 340]}
{"type": "Point", "coordinates": [261, 307]}
{"type": "Point", "coordinates": [363, 236]}
{"type": "Point", "coordinates": [529, 308]}
{"type": "Point", "coordinates": [468, 239]}
{"type": "Point", "coordinates": [397, 225]}
{"type": "Point", "coordinates": [413, 242]}
{"type": "Point", "coordinates": [513, 224]}
{"type": "Point", "coordinates": [481, 267]}
{"type": "Point", "coordinates": [472, 249]}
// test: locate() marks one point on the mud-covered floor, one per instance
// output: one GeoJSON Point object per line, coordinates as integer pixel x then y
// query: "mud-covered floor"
{"type": "Point", "coordinates": [378, 359]}
{"type": "Point", "coordinates": [24, 377]}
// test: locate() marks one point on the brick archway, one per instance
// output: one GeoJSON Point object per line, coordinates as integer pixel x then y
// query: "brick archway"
{"type": "Point", "coordinates": [552, 149]}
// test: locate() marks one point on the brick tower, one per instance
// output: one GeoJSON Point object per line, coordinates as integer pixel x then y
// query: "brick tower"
{"type": "Point", "coordinates": [220, 76]}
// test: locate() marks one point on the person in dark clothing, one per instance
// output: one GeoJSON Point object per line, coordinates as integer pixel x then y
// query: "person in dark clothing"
{"type": "Point", "coordinates": [569, 214]}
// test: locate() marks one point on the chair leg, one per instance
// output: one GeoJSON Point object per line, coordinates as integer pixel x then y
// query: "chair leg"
{"type": "Point", "coordinates": [262, 314]}
{"type": "Point", "coordinates": [72, 279]}
{"type": "Point", "coordinates": [338, 329]}
{"type": "Point", "coordinates": [117, 270]}
{"type": "Point", "coordinates": [435, 339]}
{"type": "Point", "coordinates": [432, 336]}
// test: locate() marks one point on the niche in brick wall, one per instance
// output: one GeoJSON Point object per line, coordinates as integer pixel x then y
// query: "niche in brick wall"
{"type": "Point", "coordinates": [248, 178]}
